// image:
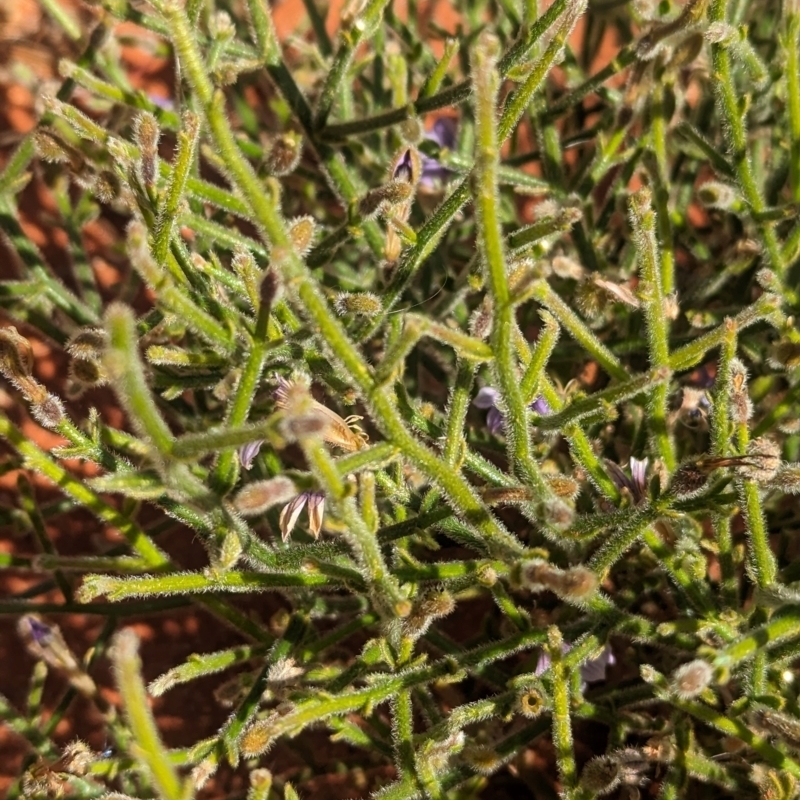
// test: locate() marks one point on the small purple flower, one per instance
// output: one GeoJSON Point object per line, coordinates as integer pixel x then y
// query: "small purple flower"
{"type": "Point", "coordinates": [541, 406]}
{"type": "Point", "coordinates": [592, 671]}
{"type": "Point", "coordinates": [291, 513]}
{"type": "Point", "coordinates": [248, 452]}
{"type": "Point", "coordinates": [487, 398]}
{"type": "Point", "coordinates": [444, 134]}
{"type": "Point", "coordinates": [636, 484]}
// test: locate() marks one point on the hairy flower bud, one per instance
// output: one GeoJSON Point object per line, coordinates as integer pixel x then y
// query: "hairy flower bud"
{"type": "Point", "coordinates": [690, 679]}
{"type": "Point", "coordinates": [48, 411]}
{"type": "Point", "coordinates": [600, 775]}
{"type": "Point", "coordinates": [364, 304]}
{"type": "Point", "coordinates": [257, 497]}
{"type": "Point", "coordinates": [740, 403]}
{"type": "Point", "coordinates": [301, 232]}
{"type": "Point", "coordinates": [88, 343]}
{"type": "Point", "coordinates": [714, 194]}
{"type": "Point", "coordinates": [575, 584]}
{"type": "Point", "coordinates": [483, 759]}
{"type": "Point", "coordinates": [16, 355]}
{"type": "Point", "coordinates": [284, 154]}
{"type": "Point", "coordinates": [379, 199]}
{"type": "Point", "coordinates": [480, 322]}
{"type": "Point", "coordinates": [762, 462]}
{"type": "Point", "coordinates": [146, 134]}
{"type": "Point", "coordinates": [46, 642]}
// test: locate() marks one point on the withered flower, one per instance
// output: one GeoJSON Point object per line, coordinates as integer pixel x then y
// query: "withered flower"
{"type": "Point", "coordinates": [291, 513]}
{"type": "Point", "coordinates": [307, 417]}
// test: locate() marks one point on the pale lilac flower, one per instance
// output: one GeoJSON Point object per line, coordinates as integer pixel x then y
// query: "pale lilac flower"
{"type": "Point", "coordinates": [592, 671]}
{"type": "Point", "coordinates": [444, 134]}
{"type": "Point", "coordinates": [487, 398]}
{"type": "Point", "coordinates": [636, 484]}
{"type": "Point", "coordinates": [541, 406]}
{"type": "Point", "coordinates": [291, 513]}
{"type": "Point", "coordinates": [248, 453]}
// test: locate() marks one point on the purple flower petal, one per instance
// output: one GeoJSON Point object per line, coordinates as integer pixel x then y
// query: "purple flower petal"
{"type": "Point", "coordinates": [444, 132]}
{"type": "Point", "coordinates": [404, 170]}
{"type": "Point", "coordinates": [541, 406]}
{"type": "Point", "coordinates": [248, 452]}
{"type": "Point", "coordinates": [595, 669]}
{"type": "Point", "coordinates": [495, 421]}
{"type": "Point", "coordinates": [40, 633]}
{"type": "Point", "coordinates": [592, 671]}
{"type": "Point", "coordinates": [486, 398]}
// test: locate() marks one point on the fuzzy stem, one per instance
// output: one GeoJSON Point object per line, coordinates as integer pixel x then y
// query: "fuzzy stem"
{"type": "Point", "coordinates": [643, 222]}
{"type": "Point", "coordinates": [736, 136]}
{"type": "Point", "coordinates": [486, 78]}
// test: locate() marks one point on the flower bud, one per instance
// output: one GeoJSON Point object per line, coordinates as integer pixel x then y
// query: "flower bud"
{"type": "Point", "coordinates": [787, 479]}
{"type": "Point", "coordinates": [48, 412]}
{"type": "Point", "coordinates": [688, 481]}
{"type": "Point", "coordinates": [301, 232]}
{"type": "Point", "coordinates": [140, 256]}
{"type": "Point", "coordinates": [506, 495]}
{"type": "Point", "coordinates": [762, 462]}
{"type": "Point", "coordinates": [257, 497]}
{"type": "Point", "coordinates": [785, 355]}
{"type": "Point", "coordinates": [434, 606]}
{"type": "Point", "coordinates": [76, 758]}
{"type": "Point", "coordinates": [600, 776]}
{"type": "Point", "coordinates": [146, 134]}
{"type": "Point", "coordinates": [88, 343]}
{"type": "Point", "coordinates": [714, 194]}
{"type": "Point", "coordinates": [437, 754]}
{"type": "Point", "coordinates": [364, 304]}
{"type": "Point", "coordinates": [244, 265]}
{"type": "Point", "coordinates": [563, 486]}
{"type": "Point", "coordinates": [51, 148]}
{"type": "Point", "coordinates": [16, 355]}
{"type": "Point", "coordinates": [690, 679]}
{"type": "Point", "coordinates": [740, 403]}
{"type": "Point", "coordinates": [574, 584]}
{"type": "Point", "coordinates": [258, 738]}
{"type": "Point", "coordinates": [87, 372]}
{"type": "Point", "coordinates": [379, 199]}
{"type": "Point", "coordinates": [46, 643]}
{"type": "Point", "coordinates": [260, 784]}
{"type": "Point", "coordinates": [483, 759]}
{"type": "Point", "coordinates": [480, 322]}
{"type": "Point", "coordinates": [269, 290]}
{"type": "Point", "coordinates": [284, 154]}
